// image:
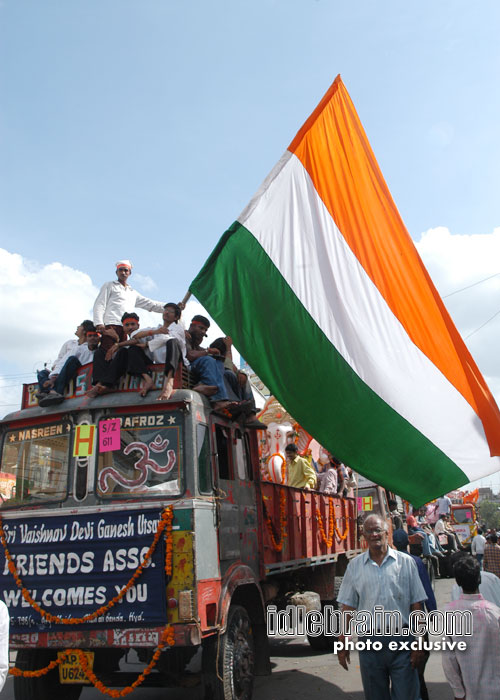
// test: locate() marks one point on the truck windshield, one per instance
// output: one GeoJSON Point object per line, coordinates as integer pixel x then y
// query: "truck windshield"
{"type": "Point", "coordinates": [463, 515]}
{"type": "Point", "coordinates": [145, 460]}
{"type": "Point", "coordinates": [35, 464]}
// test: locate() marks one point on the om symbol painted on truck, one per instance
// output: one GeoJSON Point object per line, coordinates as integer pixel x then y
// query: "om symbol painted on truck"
{"type": "Point", "coordinates": [142, 465]}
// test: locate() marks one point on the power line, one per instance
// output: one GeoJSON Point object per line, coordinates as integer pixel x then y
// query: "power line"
{"type": "Point", "coordinates": [470, 285]}
{"type": "Point", "coordinates": [13, 376]}
{"type": "Point", "coordinates": [482, 325]}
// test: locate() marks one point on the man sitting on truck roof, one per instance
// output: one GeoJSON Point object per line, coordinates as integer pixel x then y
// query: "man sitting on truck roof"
{"type": "Point", "coordinates": [301, 474]}
{"type": "Point", "coordinates": [47, 378]}
{"type": "Point", "coordinates": [83, 355]}
{"type": "Point", "coordinates": [165, 344]}
{"type": "Point", "coordinates": [207, 365]}
{"type": "Point", "coordinates": [110, 362]}
{"type": "Point", "coordinates": [237, 385]}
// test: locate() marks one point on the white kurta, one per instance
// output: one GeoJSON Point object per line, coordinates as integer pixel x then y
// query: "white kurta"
{"type": "Point", "coordinates": [114, 300]}
{"type": "Point", "coordinates": [475, 672]}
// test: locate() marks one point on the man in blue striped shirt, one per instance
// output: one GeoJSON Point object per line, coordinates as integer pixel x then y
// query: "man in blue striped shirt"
{"type": "Point", "coordinates": [384, 577]}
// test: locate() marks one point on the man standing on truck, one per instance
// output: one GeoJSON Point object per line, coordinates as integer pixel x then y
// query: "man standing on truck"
{"type": "Point", "coordinates": [113, 300]}
{"type": "Point", "coordinates": [382, 576]}
{"type": "Point", "coordinates": [301, 474]}
{"type": "Point", "coordinates": [444, 505]}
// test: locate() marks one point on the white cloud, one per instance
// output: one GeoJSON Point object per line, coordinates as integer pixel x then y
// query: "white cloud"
{"type": "Point", "coordinates": [41, 307]}
{"type": "Point", "coordinates": [144, 283]}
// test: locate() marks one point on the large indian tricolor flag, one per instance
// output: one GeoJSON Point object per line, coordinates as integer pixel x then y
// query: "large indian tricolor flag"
{"type": "Point", "coordinates": [323, 291]}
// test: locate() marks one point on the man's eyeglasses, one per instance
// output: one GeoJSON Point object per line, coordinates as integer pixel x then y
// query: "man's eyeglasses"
{"type": "Point", "coordinates": [123, 269]}
{"type": "Point", "coordinates": [375, 531]}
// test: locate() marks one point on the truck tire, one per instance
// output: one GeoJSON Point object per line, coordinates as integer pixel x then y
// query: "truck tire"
{"type": "Point", "coordinates": [325, 642]}
{"type": "Point", "coordinates": [46, 687]}
{"type": "Point", "coordinates": [233, 657]}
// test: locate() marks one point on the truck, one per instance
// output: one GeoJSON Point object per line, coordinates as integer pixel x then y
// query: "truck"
{"type": "Point", "coordinates": [132, 524]}
{"type": "Point", "coordinates": [464, 522]}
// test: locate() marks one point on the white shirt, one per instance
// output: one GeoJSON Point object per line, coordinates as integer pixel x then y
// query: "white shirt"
{"type": "Point", "coordinates": [66, 350]}
{"type": "Point", "coordinates": [395, 584]}
{"type": "Point", "coordinates": [115, 299]}
{"type": "Point", "coordinates": [4, 643]}
{"type": "Point", "coordinates": [477, 546]}
{"type": "Point", "coordinates": [474, 673]}
{"type": "Point", "coordinates": [489, 588]}
{"type": "Point", "coordinates": [70, 347]}
{"type": "Point", "coordinates": [83, 354]}
{"type": "Point", "coordinates": [60, 362]}
{"type": "Point", "coordinates": [444, 505]}
{"type": "Point", "coordinates": [439, 528]}
{"type": "Point", "coordinates": [157, 344]}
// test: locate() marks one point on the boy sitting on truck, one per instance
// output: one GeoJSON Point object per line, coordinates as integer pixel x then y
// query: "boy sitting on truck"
{"type": "Point", "coordinates": [47, 378]}
{"type": "Point", "coordinates": [238, 386]}
{"type": "Point", "coordinates": [207, 365]}
{"type": "Point", "coordinates": [110, 362]}
{"type": "Point", "coordinates": [83, 355]}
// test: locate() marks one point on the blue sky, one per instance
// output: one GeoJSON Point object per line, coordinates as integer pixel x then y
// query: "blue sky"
{"type": "Point", "coordinates": [142, 128]}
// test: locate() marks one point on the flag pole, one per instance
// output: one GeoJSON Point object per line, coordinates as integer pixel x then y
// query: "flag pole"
{"type": "Point", "coordinates": [184, 301]}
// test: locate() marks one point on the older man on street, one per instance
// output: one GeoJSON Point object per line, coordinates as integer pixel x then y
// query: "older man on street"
{"type": "Point", "coordinates": [382, 576]}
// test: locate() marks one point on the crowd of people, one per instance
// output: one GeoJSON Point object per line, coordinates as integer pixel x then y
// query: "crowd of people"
{"type": "Point", "coordinates": [115, 344]}
{"type": "Point", "coordinates": [332, 478]}
{"type": "Point", "coordinates": [391, 579]}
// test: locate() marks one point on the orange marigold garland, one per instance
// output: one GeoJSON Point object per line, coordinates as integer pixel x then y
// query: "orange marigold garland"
{"type": "Point", "coordinates": [332, 526]}
{"type": "Point", "coordinates": [164, 523]}
{"type": "Point", "coordinates": [167, 638]}
{"type": "Point", "coordinates": [278, 546]}
{"type": "Point", "coordinates": [169, 545]}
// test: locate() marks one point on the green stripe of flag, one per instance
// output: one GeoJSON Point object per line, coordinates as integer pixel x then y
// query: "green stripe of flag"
{"type": "Point", "coordinates": [247, 296]}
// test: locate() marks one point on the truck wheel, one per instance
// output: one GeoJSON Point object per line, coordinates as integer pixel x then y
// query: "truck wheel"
{"type": "Point", "coordinates": [228, 671]}
{"type": "Point", "coordinates": [46, 687]}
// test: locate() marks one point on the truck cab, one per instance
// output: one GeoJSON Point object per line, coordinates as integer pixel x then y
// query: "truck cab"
{"type": "Point", "coordinates": [126, 522]}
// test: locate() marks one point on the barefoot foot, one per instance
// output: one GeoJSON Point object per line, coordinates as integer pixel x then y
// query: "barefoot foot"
{"type": "Point", "coordinates": [147, 385]}
{"type": "Point", "coordinates": [167, 391]}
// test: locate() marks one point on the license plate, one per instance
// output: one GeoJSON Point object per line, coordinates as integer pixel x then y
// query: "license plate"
{"type": "Point", "coordinates": [70, 670]}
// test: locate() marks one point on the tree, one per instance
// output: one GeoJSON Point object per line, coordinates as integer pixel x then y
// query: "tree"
{"type": "Point", "coordinates": [489, 513]}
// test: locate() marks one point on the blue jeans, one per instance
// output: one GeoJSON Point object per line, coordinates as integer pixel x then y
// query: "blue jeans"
{"type": "Point", "coordinates": [42, 376]}
{"type": "Point", "coordinates": [210, 371]}
{"type": "Point", "coordinates": [68, 371]}
{"type": "Point", "coordinates": [479, 557]}
{"type": "Point", "coordinates": [379, 668]}
{"type": "Point", "coordinates": [426, 548]}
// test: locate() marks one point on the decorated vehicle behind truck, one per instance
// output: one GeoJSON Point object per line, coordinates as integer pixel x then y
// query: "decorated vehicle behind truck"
{"type": "Point", "coordinates": [464, 521]}
{"type": "Point", "coordinates": [132, 524]}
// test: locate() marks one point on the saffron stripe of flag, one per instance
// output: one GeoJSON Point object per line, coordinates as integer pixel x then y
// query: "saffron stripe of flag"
{"type": "Point", "coordinates": [321, 288]}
